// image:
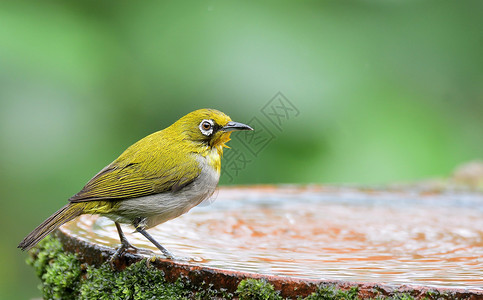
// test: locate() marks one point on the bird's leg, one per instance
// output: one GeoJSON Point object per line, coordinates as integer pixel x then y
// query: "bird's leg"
{"type": "Point", "coordinates": [124, 242]}
{"type": "Point", "coordinates": [158, 245]}
{"type": "Point", "coordinates": [139, 224]}
{"type": "Point", "coordinates": [125, 245]}
{"type": "Point", "coordinates": [120, 251]}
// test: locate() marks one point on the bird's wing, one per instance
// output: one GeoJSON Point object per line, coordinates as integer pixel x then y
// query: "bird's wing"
{"type": "Point", "coordinates": [117, 183]}
{"type": "Point", "coordinates": [142, 175]}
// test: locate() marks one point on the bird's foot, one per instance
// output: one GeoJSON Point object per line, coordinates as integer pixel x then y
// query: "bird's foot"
{"type": "Point", "coordinates": [115, 259]}
{"type": "Point", "coordinates": [126, 247]}
{"type": "Point", "coordinates": [136, 250]}
{"type": "Point", "coordinates": [168, 254]}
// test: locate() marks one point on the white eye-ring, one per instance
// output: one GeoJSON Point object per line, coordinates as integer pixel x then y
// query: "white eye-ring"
{"type": "Point", "coordinates": [206, 127]}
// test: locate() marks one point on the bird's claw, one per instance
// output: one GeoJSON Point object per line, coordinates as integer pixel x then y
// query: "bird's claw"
{"type": "Point", "coordinates": [126, 247]}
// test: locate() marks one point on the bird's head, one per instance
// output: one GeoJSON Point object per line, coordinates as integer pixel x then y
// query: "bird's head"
{"type": "Point", "coordinates": [208, 126]}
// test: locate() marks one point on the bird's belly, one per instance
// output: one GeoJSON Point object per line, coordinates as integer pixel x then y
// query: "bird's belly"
{"type": "Point", "coordinates": [162, 207]}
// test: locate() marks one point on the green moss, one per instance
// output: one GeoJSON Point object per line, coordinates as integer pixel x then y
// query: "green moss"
{"type": "Point", "coordinates": [64, 277]}
{"type": "Point", "coordinates": [402, 297]}
{"type": "Point", "coordinates": [328, 292]}
{"type": "Point", "coordinates": [58, 270]}
{"type": "Point", "coordinates": [103, 283]}
{"type": "Point", "coordinates": [257, 290]}
{"type": "Point", "coordinates": [397, 296]}
{"type": "Point", "coordinates": [435, 295]}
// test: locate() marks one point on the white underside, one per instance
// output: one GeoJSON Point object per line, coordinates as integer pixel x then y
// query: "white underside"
{"type": "Point", "coordinates": [163, 207]}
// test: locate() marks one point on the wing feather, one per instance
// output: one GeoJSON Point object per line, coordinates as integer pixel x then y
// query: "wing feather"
{"type": "Point", "coordinates": [143, 175]}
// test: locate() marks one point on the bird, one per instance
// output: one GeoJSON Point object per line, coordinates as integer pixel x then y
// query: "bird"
{"type": "Point", "coordinates": [158, 178]}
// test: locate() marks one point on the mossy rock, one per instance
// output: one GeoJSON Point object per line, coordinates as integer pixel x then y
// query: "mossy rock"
{"type": "Point", "coordinates": [65, 277]}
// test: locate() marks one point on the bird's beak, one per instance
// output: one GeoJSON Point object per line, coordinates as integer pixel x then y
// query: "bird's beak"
{"type": "Point", "coordinates": [235, 126]}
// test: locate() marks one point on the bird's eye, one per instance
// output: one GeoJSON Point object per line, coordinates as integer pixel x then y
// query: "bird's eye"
{"type": "Point", "coordinates": [206, 127]}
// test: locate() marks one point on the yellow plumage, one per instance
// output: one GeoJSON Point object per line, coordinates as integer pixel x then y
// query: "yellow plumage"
{"type": "Point", "coordinates": [159, 177]}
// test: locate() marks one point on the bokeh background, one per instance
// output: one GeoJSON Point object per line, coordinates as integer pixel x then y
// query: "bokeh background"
{"type": "Point", "coordinates": [386, 91]}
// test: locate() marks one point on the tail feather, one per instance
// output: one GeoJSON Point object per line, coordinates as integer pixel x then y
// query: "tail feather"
{"type": "Point", "coordinates": [63, 215]}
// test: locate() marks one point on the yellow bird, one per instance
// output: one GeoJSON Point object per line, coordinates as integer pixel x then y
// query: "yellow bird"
{"type": "Point", "coordinates": [157, 179]}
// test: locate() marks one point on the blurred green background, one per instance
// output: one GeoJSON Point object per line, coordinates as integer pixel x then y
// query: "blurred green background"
{"type": "Point", "coordinates": [387, 91]}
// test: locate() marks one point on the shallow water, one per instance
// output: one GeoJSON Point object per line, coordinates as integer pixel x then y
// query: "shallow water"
{"type": "Point", "coordinates": [324, 233]}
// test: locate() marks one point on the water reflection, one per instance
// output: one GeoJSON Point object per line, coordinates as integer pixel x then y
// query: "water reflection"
{"type": "Point", "coordinates": [315, 233]}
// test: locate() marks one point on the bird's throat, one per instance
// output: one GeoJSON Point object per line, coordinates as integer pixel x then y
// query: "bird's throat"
{"type": "Point", "coordinates": [215, 152]}
{"type": "Point", "coordinates": [214, 159]}
{"type": "Point", "coordinates": [220, 142]}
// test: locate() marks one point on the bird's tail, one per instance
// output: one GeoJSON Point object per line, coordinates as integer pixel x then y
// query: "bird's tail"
{"type": "Point", "coordinates": [63, 215]}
